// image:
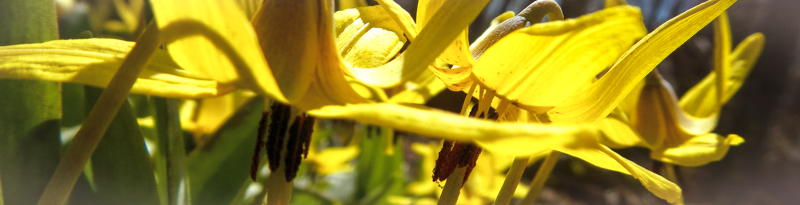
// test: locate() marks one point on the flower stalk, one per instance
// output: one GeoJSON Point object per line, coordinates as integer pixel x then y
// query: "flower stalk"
{"type": "Point", "coordinates": [512, 180]}
{"type": "Point", "coordinates": [98, 120]}
{"type": "Point", "coordinates": [541, 176]}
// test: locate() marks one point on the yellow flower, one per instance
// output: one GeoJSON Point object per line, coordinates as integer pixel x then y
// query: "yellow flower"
{"type": "Point", "coordinates": [291, 57]}
{"type": "Point", "coordinates": [679, 132]}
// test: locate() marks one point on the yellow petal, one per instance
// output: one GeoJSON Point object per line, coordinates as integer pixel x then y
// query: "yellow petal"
{"type": "Point", "coordinates": [554, 60]}
{"type": "Point", "coordinates": [332, 159]}
{"type": "Point", "coordinates": [94, 62]}
{"type": "Point", "coordinates": [369, 44]}
{"type": "Point", "coordinates": [250, 7]}
{"type": "Point", "coordinates": [697, 151]}
{"type": "Point", "coordinates": [617, 133]}
{"type": "Point", "coordinates": [420, 90]}
{"type": "Point", "coordinates": [700, 101]}
{"type": "Point", "coordinates": [130, 13]}
{"type": "Point", "coordinates": [288, 34]}
{"type": "Point", "coordinates": [329, 86]}
{"type": "Point", "coordinates": [368, 92]}
{"type": "Point", "coordinates": [401, 17]}
{"type": "Point", "coordinates": [215, 40]}
{"type": "Point", "coordinates": [605, 158]}
{"type": "Point", "coordinates": [457, 53]}
{"type": "Point", "coordinates": [444, 125]}
{"type": "Point", "coordinates": [441, 24]}
{"type": "Point", "coordinates": [506, 138]}
{"type": "Point", "coordinates": [722, 49]}
{"type": "Point", "coordinates": [347, 4]}
{"type": "Point", "coordinates": [595, 102]}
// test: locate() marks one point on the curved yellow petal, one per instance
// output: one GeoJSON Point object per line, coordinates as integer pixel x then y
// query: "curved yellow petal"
{"type": "Point", "coordinates": [700, 100]}
{"type": "Point", "coordinates": [368, 92]}
{"type": "Point", "coordinates": [369, 44]}
{"type": "Point", "coordinates": [94, 62]}
{"type": "Point", "coordinates": [288, 34]}
{"type": "Point", "coordinates": [371, 39]}
{"type": "Point", "coordinates": [698, 150]}
{"type": "Point", "coordinates": [329, 85]}
{"type": "Point", "coordinates": [605, 158]}
{"type": "Point", "coordinates": [595, 102]}
{"type": "Point", "coordinates": [441, 24]}
{"type": "Point", "coordinates": [401, 17]}
{"type": "Point", "coordinates": [722, 49]}
{"type": "Point", "coordinates": [215, 40]}
{"type": "Point", "coordinates": [498, 137]}
{"type": "Point", "coordinates": [554, 60]}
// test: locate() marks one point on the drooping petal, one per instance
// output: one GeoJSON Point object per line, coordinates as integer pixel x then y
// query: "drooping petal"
{"type": "Point", "coordinates": [700, 100]}
{"type": "Point", "coordinates": [94, 62]}
{"type": "Point", "coordinates": [554, 60]}
{"type": "Point", "coordinates": [438, 29]}
{"type": "Point", "coordinates": [288, 34]}
{"type": "Point", "coordinates": [329, 85]}
{"type": "Point", "coordinates": [595, 102]}
{"type": "Point", "coordinates": [697, 151]}
{"type": "Point", "coordinates": [215, 40]}
{"type": "Point", "coordinates": [605, 158]}
{"type": "Point", "coordinates": [506, 138]}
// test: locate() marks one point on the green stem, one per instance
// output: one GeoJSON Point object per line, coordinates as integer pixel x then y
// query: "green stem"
{"type": "Point", "coordinates": [170, 162]}
{"type": "Point", "coordinates": [512, 180]}
{"type": "Point", "coordinates": [104, 111]}
{"type": "Point", "coordinates": [541, 176]}
{"type": "Point", "coordinates": [452, 188]}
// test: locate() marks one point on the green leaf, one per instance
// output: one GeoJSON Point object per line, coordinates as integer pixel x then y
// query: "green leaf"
{"type": "Point", "coordinates": [30, 110]}
{"type": "Point", "coordinates": [379, 174]}
{"type": "Point", "coordinates": [170, 155]}
{"type": "Point", "coordinates": [219, 168]}
{"type": "Point", "coordinates": [120, 164]}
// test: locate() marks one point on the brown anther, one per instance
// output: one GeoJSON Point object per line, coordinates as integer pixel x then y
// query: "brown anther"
{"type": "Point", "coordinates": [294, 148]}
{"type": "Point", "coordinates": [440, 171]}
{"type": "Point", "coordinates": [305, 134]}
{"type": "Point", "coordinates": [262, 130]}
{"type": "Point", "coordinates": [277, 130]}
{"type": "Point", "coordinates": [462, 154]}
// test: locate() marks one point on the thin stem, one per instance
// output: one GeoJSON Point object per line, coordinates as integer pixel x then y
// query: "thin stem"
{"type": "Point", "coordinates": [512, 180]}
{"type": "Point", "coordinates": [452, 188]}
{"type": "Point", "coordinates": [541, 176]}
{"type": "Point", "coordinates": [103, 112]}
